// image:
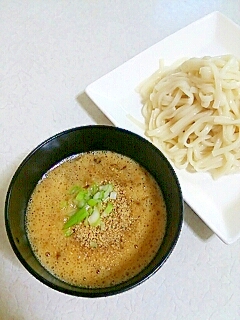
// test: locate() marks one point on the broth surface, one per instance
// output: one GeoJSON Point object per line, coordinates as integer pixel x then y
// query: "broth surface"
{"type": "Point", "coordinates": [132, 234]}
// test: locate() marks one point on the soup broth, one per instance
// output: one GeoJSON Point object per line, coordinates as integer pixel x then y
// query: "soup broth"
{"type": "Point", "coordinates": [125, 240]}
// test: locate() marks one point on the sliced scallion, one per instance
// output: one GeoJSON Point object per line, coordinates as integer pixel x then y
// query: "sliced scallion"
{"type": "Point", "coordinates": [76, 218]}
{"type": "Point", "coordinates": [92, 202]}
{"type": "Point", "coordinates": [93, 189]}
{"type": "Point", "coordinates": [63, 204]}
{"type": "Point", "coordinates": [99, 195]}
{"type": "Point", "coordinates": [102, 226]}
{"type": "Point", "coordinates": [74, 190]}
{"type": "Point", "coordinates": [68, 232]}
{"type": "Point", "coordinates": [108, 208]}
{"type": "Point", "coordinates": [89, 204]}
{"type": "Point", "coordinates": [81, 195]}
{"type": "Point", "coordinates": [113, 195]}
{"type": "Point", "coordinates": [81, 203]}
{"type": "Point", "coordinates": [94, 218]}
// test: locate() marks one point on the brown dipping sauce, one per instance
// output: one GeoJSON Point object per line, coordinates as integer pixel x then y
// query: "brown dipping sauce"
{"type": "Point", "coordinates": [133, 231]}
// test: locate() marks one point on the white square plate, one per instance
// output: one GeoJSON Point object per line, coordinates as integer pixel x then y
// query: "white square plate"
{"type": "Point", "coordinates": [217, 203]}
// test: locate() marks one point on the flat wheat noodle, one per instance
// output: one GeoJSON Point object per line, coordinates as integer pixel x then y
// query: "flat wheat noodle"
{"type": "Point", "coordinates": [192, 113]}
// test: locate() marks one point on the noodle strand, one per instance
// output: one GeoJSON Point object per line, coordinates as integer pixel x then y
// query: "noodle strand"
{"type": "Point", "coordinates": [192, 113]}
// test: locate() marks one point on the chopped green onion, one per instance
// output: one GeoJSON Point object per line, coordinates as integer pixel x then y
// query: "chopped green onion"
{"type": "Point", "coordinates": [102, 225]}
{"type": "Point", "coordinates": [74, 189]}
{"type": "Point", "coordinates": [107, 190]}
{"type": "Point", "coordinates": [106, 195]}
{"type": "Point", "coordinates": [81, 203]}
{"type": "Point", "coordinates": [108, 209]}
{"type": "Point", "coordinates": [93, 189]}
{"type": "Point", "coordinates": [94, 218]}
{"type": "Point", "coordinates": [81, 195]}
{"type": "Point", "coordinates": [99, 206]}
{"type": "Point", "coordinates": [99, 195]}
{"type": "Point", "coordinates": [76, 218]}
{"type": "Point", "coordinates": [103, 188]}
{"type": "Point", "coordinates": [90, 210]}
{"type": "Point", "coordinates": [110, 187]}
{"type": "Point", "coordinates": [68, 232]}
{"type": "Point", "coordinates": [86, 222]}
{"type": "Point", "coordinates": [92, 202]}
{"type": "Point", "coordinates": [113, 195]}
{"type": "Point", "coordinates": [63, 204]}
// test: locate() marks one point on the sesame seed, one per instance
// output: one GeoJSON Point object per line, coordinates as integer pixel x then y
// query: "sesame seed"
{"type": "Point", "coordinates": [116, 224]}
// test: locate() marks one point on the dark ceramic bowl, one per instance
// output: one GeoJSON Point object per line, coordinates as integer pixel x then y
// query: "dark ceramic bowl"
{"type": "Point", "coordinates": [75, 141]}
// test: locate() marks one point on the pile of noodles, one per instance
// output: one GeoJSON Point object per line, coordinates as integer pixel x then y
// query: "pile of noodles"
{"type": "Point", "coordinates": [192, 113]}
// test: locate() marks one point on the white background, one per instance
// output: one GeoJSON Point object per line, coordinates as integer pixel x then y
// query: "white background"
{"type": "Point", "coordinates": [49, 52]}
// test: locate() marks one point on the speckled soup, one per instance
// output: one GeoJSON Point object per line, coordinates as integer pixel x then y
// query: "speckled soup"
{"type": "Point", "coordinates": [132, 233]}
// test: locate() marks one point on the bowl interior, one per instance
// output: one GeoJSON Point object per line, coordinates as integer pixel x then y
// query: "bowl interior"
{"type": "Point", "coordinates": [75, 141]}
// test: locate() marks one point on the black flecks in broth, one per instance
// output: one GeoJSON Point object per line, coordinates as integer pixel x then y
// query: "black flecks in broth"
{"type": "Point", "coordinates": [132, 232]}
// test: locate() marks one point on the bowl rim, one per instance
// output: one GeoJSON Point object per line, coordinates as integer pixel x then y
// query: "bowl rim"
{"type": "Point", "coordinates": [90, 292]}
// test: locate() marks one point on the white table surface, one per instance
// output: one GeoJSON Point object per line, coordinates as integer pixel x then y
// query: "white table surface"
{"type": "Point", "coordinates": [49, 52]}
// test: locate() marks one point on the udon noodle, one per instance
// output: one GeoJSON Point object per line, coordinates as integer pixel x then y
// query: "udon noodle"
{"type": "Point", "coordinates": [192, 113]}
